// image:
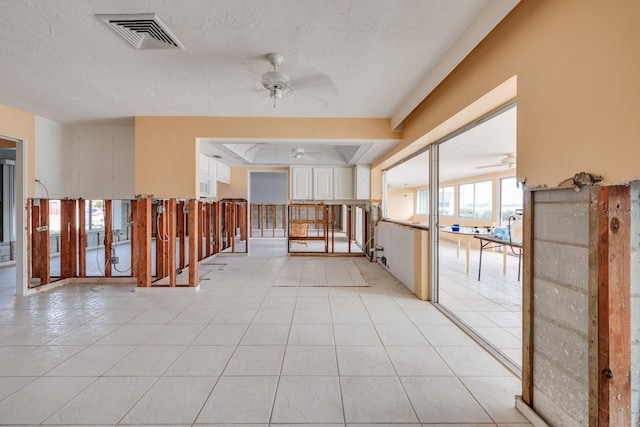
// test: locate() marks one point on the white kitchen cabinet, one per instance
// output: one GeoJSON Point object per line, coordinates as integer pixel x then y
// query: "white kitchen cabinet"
{"type": "Point", "coordinates": [322, 183]}
{"type": "Point", "coordinates": [343, 183]}
{"type": "Point", "coordinates": [362, 178]}
{"type": "Point", "coordinates": [223, 173]}
{"type": "Point", "coordinates": [301, 183]}
{"type": "Point", "coordinates": [204, 163]}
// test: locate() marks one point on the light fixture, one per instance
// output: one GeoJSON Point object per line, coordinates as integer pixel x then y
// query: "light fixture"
{"type": "Point", "coordinates": [275, 81]}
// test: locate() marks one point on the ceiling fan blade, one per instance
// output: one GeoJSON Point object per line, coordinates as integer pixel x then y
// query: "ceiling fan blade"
{"type": "Point", "coordinates": [314, 80]}
{"type": "Point", "coordinates": [490, 166]}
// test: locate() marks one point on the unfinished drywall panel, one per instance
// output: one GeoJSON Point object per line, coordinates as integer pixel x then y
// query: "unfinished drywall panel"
{"type": "Point", "coordinates": [101, 162]}
{"type": "Point", "coordinates": [396, 244]}
{"type": "Point", "coordinates": [560, 307]}
{"type": "Point", "coordinates": [635, 304]}
{"type": "Point", "coordinates": [52, 160]}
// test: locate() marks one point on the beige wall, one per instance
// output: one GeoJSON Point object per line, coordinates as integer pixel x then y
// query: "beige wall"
{"type": "Point", "coordinates": [401, 203]}
{"type": "Point", "coordinates": [18, 124]}
{"type": "Point", "coordinates": [576, 64]}
{"type": "Point", "coordinates": [166, 144]}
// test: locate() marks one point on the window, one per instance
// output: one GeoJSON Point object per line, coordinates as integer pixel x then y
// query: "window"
{"type": "Point", "coordinates": [475, 200]}
{"type": "Point", "coordinates": [446, 201]}
{"type": "Point", "coordinates": [94, 214]}
{"type": "Point", "coordinates": [422, 202]}
{"type": "Point", "coordinates": [510, 199]}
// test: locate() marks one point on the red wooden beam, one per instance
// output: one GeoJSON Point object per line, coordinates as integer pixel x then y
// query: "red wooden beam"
{"type": "Point", "coordinates": [193, 242]}
{"type": "Point", "coordinates": [142, 233]}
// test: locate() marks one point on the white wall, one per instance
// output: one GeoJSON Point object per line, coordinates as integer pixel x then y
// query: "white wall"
{"type": "Point", "coordinates": [398, 248]}
{"type": "Point", "coordinates": [102, 162]}
{"type": "Point", "coordinates": [52, 159]}
{"type": "Point", "coordinates": [90, 162]}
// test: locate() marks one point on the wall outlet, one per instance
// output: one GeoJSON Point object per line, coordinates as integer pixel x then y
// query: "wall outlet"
{"type": "Point", "coordinates": [114, 260]}
{"type": "Point", "coordinates": [42, 228]}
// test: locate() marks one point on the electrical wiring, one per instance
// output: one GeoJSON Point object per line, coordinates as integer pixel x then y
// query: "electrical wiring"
{"type": "Point", "coordinates": [45, 188]}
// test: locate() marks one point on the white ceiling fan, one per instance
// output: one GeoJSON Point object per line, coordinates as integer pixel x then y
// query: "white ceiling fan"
{"type": "Point", "coordinates": [279, 85]}
{"type": "Point", "coordinates": [299, 153]}
{"type": "Point", "coordinates": [509, 162]}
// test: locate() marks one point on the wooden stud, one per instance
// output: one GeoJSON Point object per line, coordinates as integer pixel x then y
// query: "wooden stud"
{"type": "Point", "coordinates": [82, 239]}
{"type": "Point", "coordinates": [73, 237]}
{"type": "Point", "coordinates": [171, 247]}
{"type": "Point", "coordinates": [273, 220]}
{"type": "Point", "coordinates": [527, 299]}
{"type": "Point", "coordinates": [132, 237]}
{"type": "Point", "coordinates": [193, 242]}
{"type": "Point", "coordinates": [349, 229]}
{"type": "Point", "coordinates": [614, 316]}
{"type": "Point", "coordinates": [41, 247]}
{"type": "Point", "coordinates": [29, 225]}
{"type": "Point", "coordinates": [592, 310]}
{"type": "Point", "coordinates": [284, 220]}
{"type": "Point", "coordinates": [207, 229]}
{"type": "Point", "coordinates": [66, 212]}
{"type": "Point", "coordinates": [217, 238]}
{"type": "Point", "coordinates": [165, 237]}
{"type": "Point", "coordinates": [181, 226]}
{"type": "Point", "coordinates": [232, 226]}
{"type": "Point", "coordinates": [108, 237]}
{"type": "Point", "coordinates": [142, 233]}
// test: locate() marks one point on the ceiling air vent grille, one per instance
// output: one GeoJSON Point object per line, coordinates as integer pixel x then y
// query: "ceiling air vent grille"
{"type": "Point", "coordinates": [142, 30]}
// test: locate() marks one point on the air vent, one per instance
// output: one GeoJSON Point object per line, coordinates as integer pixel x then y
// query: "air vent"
{"type": "Point", "coordinates": [142, 30]}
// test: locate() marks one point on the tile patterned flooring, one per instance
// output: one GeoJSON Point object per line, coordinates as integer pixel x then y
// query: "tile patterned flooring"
{"type": "Point", "coordinates": [492, 306]}
{"type": "Point", "coordinates": [242, 351]}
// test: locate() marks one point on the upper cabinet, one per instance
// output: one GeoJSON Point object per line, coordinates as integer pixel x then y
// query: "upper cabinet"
{"type": "Point", "coordinates": [301, 183]}
{"type": "Point", "coordinates": [327, 183]}
{"type": "Point", "coordinates": [322, 183]}
{"type": "Point", "coordinates": [223, 173]}
{"type": "Point", "coordinates": [362, 181]}
{"type": "Point", "coordinates": [343, 183]}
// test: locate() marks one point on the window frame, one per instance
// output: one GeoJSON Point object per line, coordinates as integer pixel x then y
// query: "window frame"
{"type": "Point", "coordinates": [475, 208]}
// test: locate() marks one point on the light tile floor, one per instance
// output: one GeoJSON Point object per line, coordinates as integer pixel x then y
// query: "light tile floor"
{"type": "Point", "coordinates": [491, 306]}
{"type": "Point", "coordinates": [245, 352]}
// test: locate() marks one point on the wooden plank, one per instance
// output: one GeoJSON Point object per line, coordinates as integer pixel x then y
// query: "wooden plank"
{"type": "Point", "coordinates": [603, 307]}
{"type": "Point", "coordinates": [142, 232]}
{"type": "Point", "coordinates": [349, 229]}
{"type": "Point", "coordinates": [284, 220]}
{"type": "Point", "coordinates": [44, 248]}
{"type": "Point", "coordinates": [132, 215]}
{"type": "Point", "coordinates": [108, 237]}
{"type": "Point", "coordinates": [181, 226]}
{"type": "Point", "coordinates": [165, 237]}
{"type": "Point", "coordinates": [207, 229]}
{"type": "Point", "coordinates": [171, 247]}
{"type": "Point", "coordinates": [592, 309]}
{"type": "Point", "coordinates": [73, 237]}
{"type": "Point", "coordinates": [614, 315]}
{"type": "Point", "coordinates": [66, 211]}
{"type": "Point", "coordinates": [217, 237]}
{"type": "Point", "coordinates": [527, 298]}
{"type": "Point", "coordinates": [35, 242]}
{"type": "Point", "coordinates": [82, 239]}
{"type": "Point", "coordinates": [193, 242]}
{"type": "Point", "coordinates": [29, 226]}
{"type": "Point", "coordinates": [201, 227]}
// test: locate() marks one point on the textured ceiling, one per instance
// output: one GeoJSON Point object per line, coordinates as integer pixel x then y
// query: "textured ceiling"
{"type": "Point", "coordinates": [349, 58]}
